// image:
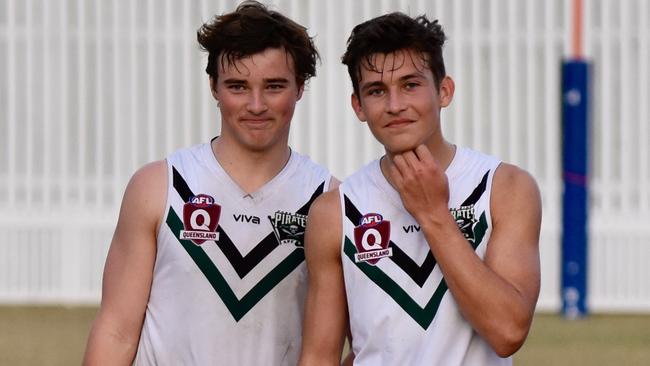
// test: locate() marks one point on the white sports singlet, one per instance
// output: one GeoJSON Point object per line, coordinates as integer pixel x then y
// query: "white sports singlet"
{"type": "Point", "coordinates": [401, 311]}
{"type": "Point", "coordinates": [229, 280]}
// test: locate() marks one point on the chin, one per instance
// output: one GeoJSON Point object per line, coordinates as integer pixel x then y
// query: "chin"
{"type": "Point", "coordinates": [399, 148]}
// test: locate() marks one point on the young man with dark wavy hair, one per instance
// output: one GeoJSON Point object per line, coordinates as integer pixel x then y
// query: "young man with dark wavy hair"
{"type": "Point", "coordinates": [206, 266]}
{"type": "Point", "coordinates": [431, 251]}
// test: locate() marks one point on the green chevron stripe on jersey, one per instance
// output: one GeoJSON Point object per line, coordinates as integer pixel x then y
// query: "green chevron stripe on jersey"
{"type": "Point", "coordinates": [237, 307]}
{"type": "Point", "coordinates": [242, 264]}
{"type": "Point", "coordinates": [422, 316]}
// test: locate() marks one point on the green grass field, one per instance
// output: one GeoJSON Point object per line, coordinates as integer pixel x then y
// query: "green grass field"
{"type": "Point", "coordinates": [57, 336]}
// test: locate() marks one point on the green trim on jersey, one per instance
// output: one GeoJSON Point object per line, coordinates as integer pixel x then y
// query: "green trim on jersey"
{"type": "Point", "coordinates": [237, 307]}
{"type": "Point", "coordinates": [422, 316]}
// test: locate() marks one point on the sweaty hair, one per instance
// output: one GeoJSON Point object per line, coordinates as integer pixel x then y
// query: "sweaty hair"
{"type": "Point", "coordinates": [390, 33]}
{"type": "Point", "coordinates": [253, 28]}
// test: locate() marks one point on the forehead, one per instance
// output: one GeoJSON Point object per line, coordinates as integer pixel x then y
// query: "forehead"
{"type": "Point", "coordinates": [393, 65]}
{"type": "Point", "coordinates": [270, 63]}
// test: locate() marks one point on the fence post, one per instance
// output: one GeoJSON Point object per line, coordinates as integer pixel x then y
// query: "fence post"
{"type": "Point", "coordinates": [575, 127]}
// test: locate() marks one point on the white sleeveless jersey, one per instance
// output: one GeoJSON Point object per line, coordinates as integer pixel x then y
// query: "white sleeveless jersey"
{"type": "Point", "coordinates": [229, 280]}
{"type": "Point", "coordinates": [401, 311]}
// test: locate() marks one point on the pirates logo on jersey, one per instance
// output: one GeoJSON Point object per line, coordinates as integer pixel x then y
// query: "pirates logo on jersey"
{"type": "Point", "coordinates": [200, 219]}
{"type": "Point", "coordinates": [465, 219]}
{"type": "Point", "coordinates": [372, 238]}
{"type": "Point", "coordinates": [289, 228]}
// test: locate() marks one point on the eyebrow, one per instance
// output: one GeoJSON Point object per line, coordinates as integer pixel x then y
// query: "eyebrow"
{"type": "Point", "coordinates": [371, 85]}
{"type": "Point", "coordinates": [276, 81]}
{"type": "Point", "coordinates": [415, 75]}
{"type": "Point", "coordinates": [267, 81]}
{"type": "Point", "coordinates": [234, 81]}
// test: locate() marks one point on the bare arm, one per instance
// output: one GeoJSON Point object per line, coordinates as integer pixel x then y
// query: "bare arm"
{"type": "Point", "coordinates": [326, 318]}
{"type": "Point", "coordinates": [128, 272]}
{"type": "Point", "coordinates": [498, 295]}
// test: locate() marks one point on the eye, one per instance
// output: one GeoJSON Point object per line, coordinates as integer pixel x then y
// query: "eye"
{"type": "Point", "coordinates": [276, 86]}
{"type": "Point", "coordinates": [411, 85]}
{"type": "Point", "coordinates": [236, 87]}
{"type": "Point", "coordinates": [376, 92]}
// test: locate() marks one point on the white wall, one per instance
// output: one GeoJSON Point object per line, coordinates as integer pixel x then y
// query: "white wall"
{"type": "Point", "coordinates": [92, 89]}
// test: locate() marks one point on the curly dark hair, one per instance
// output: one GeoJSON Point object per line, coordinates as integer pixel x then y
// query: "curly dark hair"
{"type": "Point", "coordinates": [253, 28]}
{"type": "Point", "coordinates": [390, 33]}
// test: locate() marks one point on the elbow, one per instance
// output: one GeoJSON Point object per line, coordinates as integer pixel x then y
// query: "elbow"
{"type": "Point", "coordinates": [509, 330]}
{"type": "Point", "coordinates": [509, 340]}
{"type": "Point", "coordinates": [507, 349]}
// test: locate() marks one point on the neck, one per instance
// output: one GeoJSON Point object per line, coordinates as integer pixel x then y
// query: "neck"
{"type": "Point", "coordinates": [443, 154]}
{"type": "Point", "coordinates": [250, 169]}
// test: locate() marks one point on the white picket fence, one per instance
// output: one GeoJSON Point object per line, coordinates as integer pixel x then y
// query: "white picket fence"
{"type": "Point", "coordinates": [92, 89]}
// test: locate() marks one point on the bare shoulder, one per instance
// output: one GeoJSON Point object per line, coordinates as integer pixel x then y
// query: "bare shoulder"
{"type": "Point", "coordinates": [150, 176]}
{"type": "Point", "coordinates": [324, 223]}
{"type": "Point", "coordinates": [515, 188]}
{"type": "Point", "coordinates": [146, 193]}
{"type": "Point", "coordinates": [326, 208]}
{"type": "Point", "coordinates": [512, 176]}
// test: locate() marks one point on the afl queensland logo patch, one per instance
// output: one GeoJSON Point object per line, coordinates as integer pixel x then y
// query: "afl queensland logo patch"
{"type": "Point", "coordinates": [372, 238]}
{"type": "Point", "coordinates": [200, 219]}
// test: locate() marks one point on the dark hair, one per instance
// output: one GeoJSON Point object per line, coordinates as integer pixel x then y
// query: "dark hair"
{"type": "Point", "coordinates": [253, 28]}
{"type": "Point", "coordinates": [390, 33]}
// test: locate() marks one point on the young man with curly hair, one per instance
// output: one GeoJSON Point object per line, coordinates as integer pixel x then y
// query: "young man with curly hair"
{"type": "Point", "coordinates": [206, 266]}
{"type": "Point", "coordinates": [431, 251]}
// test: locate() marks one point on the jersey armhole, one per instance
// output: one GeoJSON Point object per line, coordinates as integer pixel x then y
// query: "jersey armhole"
{"type": "Point", "coordinates": [489, 187]}
{"type": "Point", "coordinates": [165, 213]}
{"type": "Point", "coordinates": [343, 218]}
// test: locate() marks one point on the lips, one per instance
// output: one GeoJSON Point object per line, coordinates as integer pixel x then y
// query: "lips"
{"type": "Point", "coordinates": [256, 122]}
{"type": "Point", "coordinates": [399, 122]}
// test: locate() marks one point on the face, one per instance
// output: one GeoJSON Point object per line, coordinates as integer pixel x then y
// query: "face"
{"type": "Point", "coordinates": [399, 100]}
{"type": "Point", "coordinates": [257, 96]}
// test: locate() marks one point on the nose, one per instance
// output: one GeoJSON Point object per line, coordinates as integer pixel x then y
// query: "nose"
{"type": "Point", "coordinates": [256, 102]}
{"type": "Point", "coordinates": [395, 103]}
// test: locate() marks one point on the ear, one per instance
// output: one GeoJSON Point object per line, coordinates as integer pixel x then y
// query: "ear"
{"type": "Point", "coordinates": [213, 89]}
{"type": "Point", "coordinates": [446, 92]}
{"type": "Point", "coordinates": [356, 105]}
{"type": "Point", "coordinates": [301, 89]}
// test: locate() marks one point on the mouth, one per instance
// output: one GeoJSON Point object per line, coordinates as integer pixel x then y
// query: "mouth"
{"type": "Point", "coordinates": [255, 122]}
{"type": "Point", "coordinates": [399, 122]}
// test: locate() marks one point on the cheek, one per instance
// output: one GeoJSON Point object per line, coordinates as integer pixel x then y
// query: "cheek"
{"type": "Point", "coordinates": [285, 106]}
{"type": "Point", "coordinates": [229, 105]}
{"type": "Point", "coordinates": [374, 113]}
